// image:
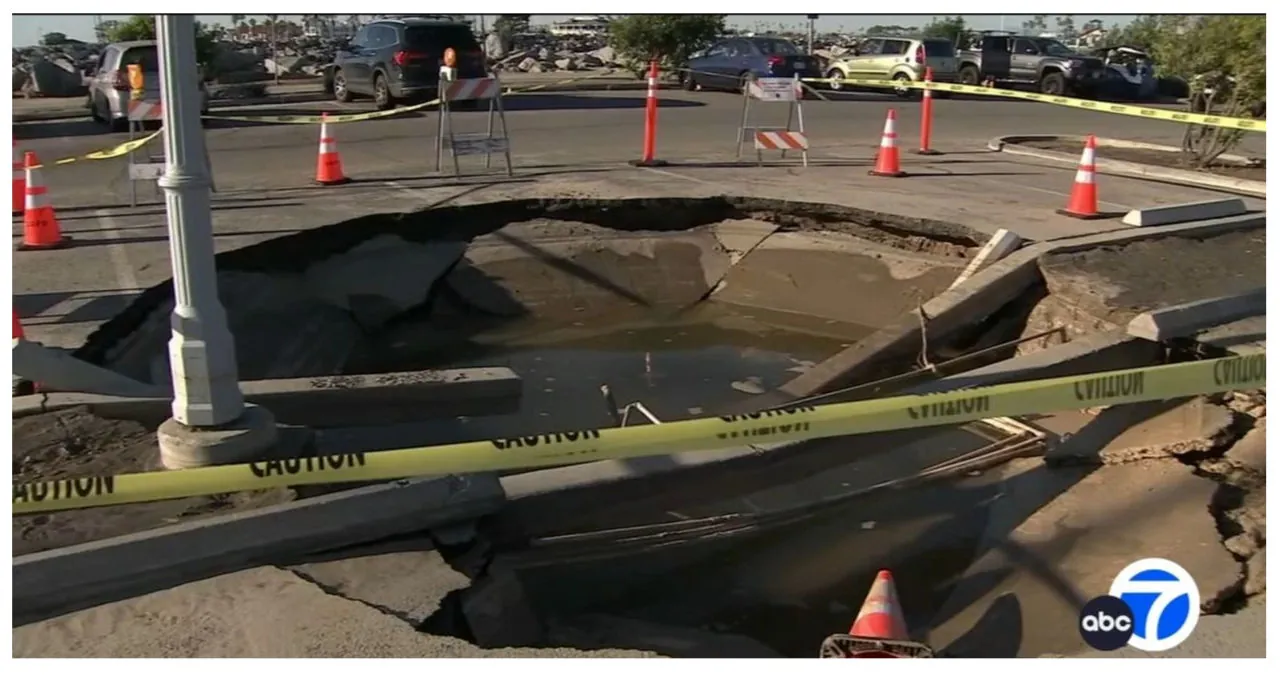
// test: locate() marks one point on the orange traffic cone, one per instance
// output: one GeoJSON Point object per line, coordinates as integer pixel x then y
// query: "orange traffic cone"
{"type": "Point", "coordinates": [19, 180]}
{"type": "Point", "coordinates": [881, 615]}
{"type": "Point", "coordinates": [887, 159]}
{"type": "Point", "coordinates": [40, 229]}
{"type": "Point", "coordinates": [18, 333]}
{"type": "Point", "coordinates": [329, 164]}
{"type": "Point", "coordinates": [1084, 193]}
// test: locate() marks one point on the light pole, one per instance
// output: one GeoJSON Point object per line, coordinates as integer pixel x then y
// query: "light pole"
{"type": "Point", "coordinates": [202, 359]}
{"type": "Point", "coordinates": [812, 18]}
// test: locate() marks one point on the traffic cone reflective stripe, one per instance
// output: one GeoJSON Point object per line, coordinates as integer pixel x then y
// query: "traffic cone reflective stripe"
{"type": "Point", "coordinates": [19, 181]}
{"type": "Point", "coordinates": [40, 227]}
{"type": "Point", "coordinates": [329, 163]}
{"type": "Point", "coordinates": [887, 163]}
{"type": "Point", "coordinates": [881, 614]}
{"type": "Point", "coordinates": [1083, 203]}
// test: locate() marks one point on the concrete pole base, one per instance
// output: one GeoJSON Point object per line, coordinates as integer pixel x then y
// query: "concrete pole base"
{"type": "Point", "coordinates": [245, 439]}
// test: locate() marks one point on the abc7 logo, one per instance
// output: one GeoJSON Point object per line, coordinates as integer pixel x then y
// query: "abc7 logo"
{"type": "Point", "coordinates": [1106, 623]}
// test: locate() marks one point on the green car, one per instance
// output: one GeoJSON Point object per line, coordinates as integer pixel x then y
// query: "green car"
{"type": "Point", "coordinates": [902, 59]}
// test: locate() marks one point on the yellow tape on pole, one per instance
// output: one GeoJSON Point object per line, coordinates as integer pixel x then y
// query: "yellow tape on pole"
{"type": "Point", "coordinates": [571, 447]}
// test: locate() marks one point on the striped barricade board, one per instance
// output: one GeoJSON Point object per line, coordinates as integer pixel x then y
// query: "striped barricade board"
{"type": "Point", "coordinates": [780, 139]}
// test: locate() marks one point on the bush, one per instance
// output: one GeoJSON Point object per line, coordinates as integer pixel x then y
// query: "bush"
{"type": "Point", "coordinates": [670, 38]}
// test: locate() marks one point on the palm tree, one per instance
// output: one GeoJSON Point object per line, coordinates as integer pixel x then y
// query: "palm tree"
{"type": "Point", "coordinates": [272, 20]}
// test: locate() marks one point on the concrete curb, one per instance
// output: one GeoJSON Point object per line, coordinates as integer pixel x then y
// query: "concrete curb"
{"type": "Point", "coordinates": [1189, 318]}
{"type": "Point", "coordinates": [1010, 145]}
{"type": "Point", "coordinates": [55, 582]}
{"type": "Point", "coordinates": [1182, 213]}
{"type": "Point", "coordinates": [326, 402]}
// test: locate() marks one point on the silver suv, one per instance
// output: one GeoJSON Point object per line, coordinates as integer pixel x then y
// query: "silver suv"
{"type": "Point", "coordinates": [896, 58]}
{"type": "Point", "coordinates": [109, 90]}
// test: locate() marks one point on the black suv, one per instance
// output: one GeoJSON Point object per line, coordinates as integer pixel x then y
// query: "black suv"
{"type": "Point", "coordinates": [399, 59]}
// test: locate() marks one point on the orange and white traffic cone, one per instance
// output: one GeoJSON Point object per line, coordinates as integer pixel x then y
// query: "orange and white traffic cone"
{"type": "Point", "coordinates": [1084, 192]}
{"type": "Point", "coordinates": [887, 163]}
{"type": "Point", "coordinates": [329, 163]}
{"type": "Point", "coordinates": [40, 229]}
{"type": "Point", "coordinates": [19, 181]}
{"type": "Point", "coordinates": [18, 333]}
{"type": "Point", "coordinates": [879, 632]}
{"type": "Point", "coordinates": [881, 615]}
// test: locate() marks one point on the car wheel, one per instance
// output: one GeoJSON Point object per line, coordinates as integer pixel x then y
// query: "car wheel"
{"type": "Point", "coordinates": [687, 82]}
{"type": "Point", "coordinates": [744, 78]}
{"type": "Point", "coordinates": [340, 92]}
{"type": "Point", "coordinates": [93, 111]}
{"type": "Point", "coordinates": [382, 93]}
{"type": "Point", "coordinates": [1053, 84]}
{"type": "Point", "coordinates": [903, 88]}
{"type": "Point", "coordinates": [833, 79]}
{"type": "Point", "coordinates": [969, 76]}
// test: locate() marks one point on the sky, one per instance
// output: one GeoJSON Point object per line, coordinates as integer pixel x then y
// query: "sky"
{"type": "Point", "coordinates": [27, 29]}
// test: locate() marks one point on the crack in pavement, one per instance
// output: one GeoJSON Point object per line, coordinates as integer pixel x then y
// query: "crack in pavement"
{"type": "Point", "coordinates": [336, 592]}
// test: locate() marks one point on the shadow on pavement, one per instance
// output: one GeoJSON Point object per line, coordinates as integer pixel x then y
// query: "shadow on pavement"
{"type": "Point", "coordinates": [99, 306]}
{"type": "Point", "coordinates": [32, 131]}
{"type": "Point", "coordinates": [159, 210]}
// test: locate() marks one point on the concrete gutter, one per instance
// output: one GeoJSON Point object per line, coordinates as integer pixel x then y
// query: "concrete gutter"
{"type": "Point", "coordinates": [327, 402]}
{"type": "Point", "coordinates": [1011, 145]}
{"type": "Point", "coordinates": [63, 580]}
{"type": "Point", "coordinates": [1190, 318]}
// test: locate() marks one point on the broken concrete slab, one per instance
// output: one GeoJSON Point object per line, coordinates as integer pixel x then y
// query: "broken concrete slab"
{"type": "Point", "coordinates": [383, 276]}
{"type": "Point", "coordinates": [1245, 337]}
{"type": "Point", "coordinates": [58, 370]}
{"type": "Point", "coordinates": [1157, 429]}
{"type": "Point", "coordinates": [801, 271]}
{"type": "Point", "coordinates": [1250, 452]}
{"type": "Point", "coordinates": [263, 612]}
{"type": "Point", "coordinates": [410, 585]}
{"type": "Point", "coordinates": [740, 236]}
{"type": "Point", "coordinates": [61, 580]}
{"type": "Point", "coordinates": [1189, 318]}
{"type": "Point", "coordinates": [1058, 537]}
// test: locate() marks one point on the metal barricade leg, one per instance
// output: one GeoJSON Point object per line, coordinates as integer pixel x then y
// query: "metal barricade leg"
{"type": "Point", "coordinates": [506, 135]}
{"type": "Point", "coordinates": [488, 143]}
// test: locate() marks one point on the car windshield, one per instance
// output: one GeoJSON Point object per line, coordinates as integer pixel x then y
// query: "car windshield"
{"type": "Point", "coordinates": [1054, 48]}
{"type": "Point", "coordinates": [776, 47]}
{"type": "Point", "coordinates": [147, 57]}
{"type": "Point", "coordinates": [436, 39]}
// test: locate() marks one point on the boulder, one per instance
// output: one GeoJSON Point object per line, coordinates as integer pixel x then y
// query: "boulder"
{"type": "Point", "coordinates": [566, 64]}
{"type": "Point", "coordinates": [527, 65]}
{"type": "Point", "coordinates": [493, 47]}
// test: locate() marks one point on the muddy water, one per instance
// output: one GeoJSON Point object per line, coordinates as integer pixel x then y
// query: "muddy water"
{"type": "Point", "coordinates": [679, 365]}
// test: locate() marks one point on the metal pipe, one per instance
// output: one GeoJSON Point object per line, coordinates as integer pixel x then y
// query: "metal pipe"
{"type": "Point", "coordinates": [202, 360]}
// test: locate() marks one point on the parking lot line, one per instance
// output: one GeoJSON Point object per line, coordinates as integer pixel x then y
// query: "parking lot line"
{"type": "Point", "coordinates": [125, 276]}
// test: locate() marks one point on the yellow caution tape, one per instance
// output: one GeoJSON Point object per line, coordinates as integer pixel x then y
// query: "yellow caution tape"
{"type": "Point", "coordinates": [1242, 123]}
{"type": "Point", "coordinates": [572, 447]}
{"type": "Point", "coordinates": [126, 148]}
{"type": "Point", "coordinates": [110, 153]}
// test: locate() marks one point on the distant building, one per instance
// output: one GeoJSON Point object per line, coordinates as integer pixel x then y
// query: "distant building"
{"type": "Point", "coordinates": [1092, 36]}
{"type": "Point", "coordinates": [581, 26]}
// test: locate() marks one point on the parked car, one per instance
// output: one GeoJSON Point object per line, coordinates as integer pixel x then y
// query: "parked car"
{"type": "Point", "coordinates": [1051, 66]}
{"type": "Point", "coordinates": [109, 89]}
{"type": "Point", "coordinates": [728, 64]}
{"type": "Point", "coordinates": [896, 58]}
{"type": "Point", "coordinates": [1130, 73]}
{"type": "Point", "coordinates": [399, 59]}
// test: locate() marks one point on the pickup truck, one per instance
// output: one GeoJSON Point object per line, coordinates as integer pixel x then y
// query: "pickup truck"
{"type": "Point", "coordinates": [1052, 67]}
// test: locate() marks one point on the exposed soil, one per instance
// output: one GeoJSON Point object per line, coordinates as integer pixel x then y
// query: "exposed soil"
{"type": "Point", "coordinates": [1155, 157]}
{"type": "Point", "coordinates": [76, 443]}
{"type": "Point", "coordinates": [1116, 283]}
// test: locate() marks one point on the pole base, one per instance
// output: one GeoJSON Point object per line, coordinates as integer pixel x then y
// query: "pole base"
{"type": "Point", "coordinates": [648, 162]}
{"type": "Point", "coordinates": [888, 174]}
{"type": "Point", "coordinates": [245, 439]}
{"type": "Point", "coordinates": [926, 151]}
{"type": "Point", "coordinates": [64, 242]}
{"type": "Point", "coordinates": [1082, 216]}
